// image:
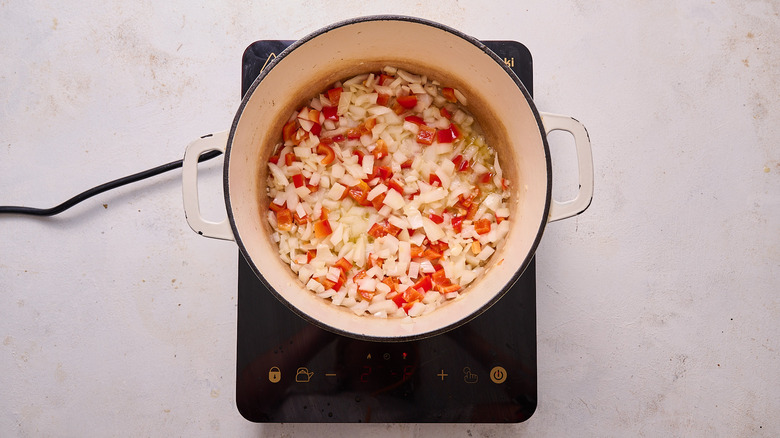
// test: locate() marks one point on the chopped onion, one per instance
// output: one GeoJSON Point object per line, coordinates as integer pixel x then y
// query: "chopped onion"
{"type": "Point", "coordinates": [414, 269]}
{"type": "Point", "coordinates": [336, 191]}
{"type": "Point", "coordinates": [394, 200]}
{"type": "Point", "coordinates": [428, 193]}
{"type": "Point", "coordinates": [432, 230]}
{"type": "Point", "coordinates": [427, 267]}
{"type": "Point", "coordinates": [376, 191]}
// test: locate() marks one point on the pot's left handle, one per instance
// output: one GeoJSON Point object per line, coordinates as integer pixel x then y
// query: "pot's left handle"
{"type": "Point", "coordinates": [562, 210]}
{"type": "Point", "coordinates": [189, 179]}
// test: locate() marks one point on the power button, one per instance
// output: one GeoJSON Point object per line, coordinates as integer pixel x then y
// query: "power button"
{"type": "Point", "coordinates": [498, 374]}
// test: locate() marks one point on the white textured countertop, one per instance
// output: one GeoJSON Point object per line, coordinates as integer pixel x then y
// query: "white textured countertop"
{"type": "Point", "coordinates": [658, 308]}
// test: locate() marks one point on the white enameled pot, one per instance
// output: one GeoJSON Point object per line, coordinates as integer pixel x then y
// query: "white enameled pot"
{"type": "Point", "coordinates": [498, 100]}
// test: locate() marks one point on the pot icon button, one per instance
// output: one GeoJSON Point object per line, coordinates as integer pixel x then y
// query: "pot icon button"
{"type": "Point", "coordinates": [274, 375]}
{"type": "Point", "coordinates": [303, 375]}
{"type": "Point", "coordinates": [498, 374]}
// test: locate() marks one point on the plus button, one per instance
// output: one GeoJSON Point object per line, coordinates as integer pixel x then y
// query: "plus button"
{"type": "Point", "coordinates": [442, 374]}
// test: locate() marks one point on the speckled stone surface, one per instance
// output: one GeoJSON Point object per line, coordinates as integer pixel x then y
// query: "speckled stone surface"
{"type": "Point", "coordinates": [658, 312]}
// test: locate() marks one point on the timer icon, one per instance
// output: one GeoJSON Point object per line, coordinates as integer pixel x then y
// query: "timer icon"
{"type": "Point", "coordinates": [498, 374]}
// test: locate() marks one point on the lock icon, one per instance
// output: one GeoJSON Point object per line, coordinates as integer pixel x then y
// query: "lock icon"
{"type": "Point", "coordinates": [274, 375]}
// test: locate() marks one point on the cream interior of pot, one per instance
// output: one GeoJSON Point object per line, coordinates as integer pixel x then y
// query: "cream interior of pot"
{"type": "Point", "coordinates": [495, 100]}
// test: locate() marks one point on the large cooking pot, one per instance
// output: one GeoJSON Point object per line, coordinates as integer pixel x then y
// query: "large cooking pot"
{"type": "Point", "coordinates": [497, 99]}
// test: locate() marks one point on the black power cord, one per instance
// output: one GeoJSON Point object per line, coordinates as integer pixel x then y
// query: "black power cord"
{"type": "Point", "coordinates": [10, 209]}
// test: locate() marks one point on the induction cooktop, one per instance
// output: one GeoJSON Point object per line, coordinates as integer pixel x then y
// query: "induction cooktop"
{"type": "Point", "coordinates": [290, 371]}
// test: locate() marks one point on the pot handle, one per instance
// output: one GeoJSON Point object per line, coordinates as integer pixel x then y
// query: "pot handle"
{"type": "Point", "coordinates": [562, 210]}
{"type": "Point", "coordinates": [189, 178]}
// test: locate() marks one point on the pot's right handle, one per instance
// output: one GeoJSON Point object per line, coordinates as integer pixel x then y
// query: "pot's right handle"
{"type": "Point", "coordinates": [189, 179]}
{"type": "Point", "coordinates": [563, 210]}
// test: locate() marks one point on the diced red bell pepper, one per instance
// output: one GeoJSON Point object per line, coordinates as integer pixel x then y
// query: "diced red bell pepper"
{"type": "Point", "coordinates": [432, 255]}
{"type": "Point", "coordinates": [289, 129]}
{"type": "Point", "coordinates": [482, 226]}
{"type": "Point", "coordinates": [330, 155]}
{"type": "Point", "coordinates": [310, 254]}
{"type": "Point", "coordinates": [353, 133]}
{"type": "Point", "coordinates": [434, 180]}
{"type": "Point", "coordinates": [322, 228]}
{"type": "Point", "coordinates": [399, 300]}
{"type": "Point", "coordinates": [378, 201]}
{"type": "Point", "coordinates": [449, 94]}
{"type": "Point", "coordinates": [330, 113]}
{"type": "Point", "coordinates": [314, 115]}
{"type": "Point", "coordinates": [377, 230]}
{"type": "Point", "coordinates": [392, 230]}
{"type": "Point", "coordinates": [368, 296]}
{"type": "Point", "coordinates": [284, 220]}
{"type": "Point", "coordinates": [439, 246]}
{"type": "Point", "coordinates": [407, 102]}
{"type": "Point", "coordinates": [415, 119]}
{"type": "Point", "coordinates": [338, 138]}
{"type": "Point", "coordinates": [437, 219]}
{"type": "Point", "coordinates": [380, 151]}
{"type": "Point", "coordinates": [444, 113]}
{"type": "Point", "coordinates": [395, 185]}
{"type": "Point", "coordinates": [457, 160]}
{"type": "Point", "coordinates": [392, 283]}
{"type": "Point", "coordinates": [457, 223]}
{"type": "Point", "coordinates": [454, 131]}
{"type": "Point", "coordinates": [385, 79]}
{"type": "Point", "coordinates": [289, 157]}
{"type": "Point", "coordinates": [417, 251]}
{"type": "Point", "coordinates": [329, 284]}
{"type": "Point", "coordinates": [360, 154]}
{"type": "Point", "coordinates": [444, 136]}
{"type": "Point", "coordinates": [463, 166]}
{"type": "Point", "coordinates": [417, 293]}
{"type": "Point", "coordinates": [384, 172]}
{"type": "Point", "coordinates": [334, 94]}
{"type": "Point", "coordinates": [440, 277]}
{"type": "Point", "coordinates": [486, 177]}
{"type": "Point", "coordinates": [445, 289]}
{"type": "Point", "coordinates": [298, 180]}
{"type": "Point", "coordinates": [467, 200]}
{"type": "Point", "coordinates": [382, 99]}
{"type": "Point", "coordinates": [375, 260]}
{"type": "Point", "coordinates": [359, 192]}
{"type": "Point", "coordinates": [300, 220]}
{"type": "Point", "coordinates": [276, 207]}
{"type": "Point", "coordinates": [274, 159]}
{"type": "Point", "coordinates": [448, 135]}
{"type": "Point", "coordinates": [361, 274]}
{"type": "Point", "coordinates": [343, 264]}
{"type": "Point", "coordinates": [426, 135]}
{"type": "Point", "coordinates": [472, 210]}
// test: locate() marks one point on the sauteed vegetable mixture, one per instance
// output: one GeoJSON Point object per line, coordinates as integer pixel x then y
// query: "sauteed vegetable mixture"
{"type": "Point", "coordinates": [385, 197]}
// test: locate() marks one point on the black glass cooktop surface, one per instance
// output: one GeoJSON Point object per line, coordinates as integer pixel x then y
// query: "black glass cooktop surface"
{"type": "Point", "coordinates": [290, 371]}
